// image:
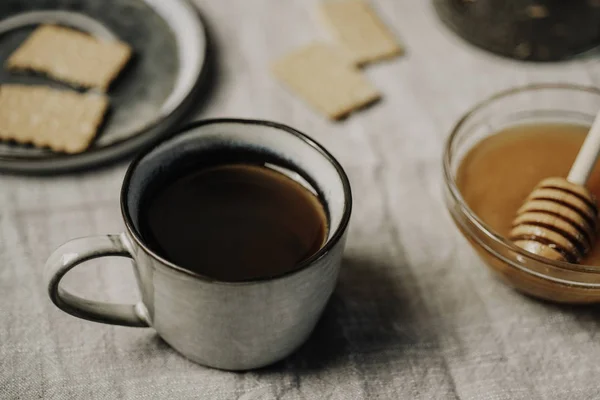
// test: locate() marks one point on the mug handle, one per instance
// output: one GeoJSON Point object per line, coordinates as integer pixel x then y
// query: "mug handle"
{"type": "Point", "coordinates": [75, 252]}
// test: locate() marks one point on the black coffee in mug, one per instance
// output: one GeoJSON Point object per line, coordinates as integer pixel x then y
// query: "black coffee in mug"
{"type": "Point", "coordinates": [233, 221]}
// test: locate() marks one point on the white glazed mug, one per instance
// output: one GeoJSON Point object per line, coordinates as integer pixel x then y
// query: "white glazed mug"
{"type": "Point", "coordinates": [226, 325]}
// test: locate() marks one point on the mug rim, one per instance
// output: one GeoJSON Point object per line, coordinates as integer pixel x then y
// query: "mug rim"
{"type": "Point", "coordinates": [305, 264]}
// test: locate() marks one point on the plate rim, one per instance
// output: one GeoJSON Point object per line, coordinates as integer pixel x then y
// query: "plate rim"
{"type": "Point", "coordinates": [170, 112]}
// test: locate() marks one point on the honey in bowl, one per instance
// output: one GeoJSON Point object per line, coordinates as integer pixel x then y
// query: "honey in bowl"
{"type": "Point", "coordinates": [499, 172]}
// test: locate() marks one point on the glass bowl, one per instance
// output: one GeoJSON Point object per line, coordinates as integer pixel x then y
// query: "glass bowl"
{"type": "Point", "coordinates": [537, 104]}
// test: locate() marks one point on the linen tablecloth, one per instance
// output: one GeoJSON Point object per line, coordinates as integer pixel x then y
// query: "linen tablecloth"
{"type": "Point", "coordinates": [415, 315]}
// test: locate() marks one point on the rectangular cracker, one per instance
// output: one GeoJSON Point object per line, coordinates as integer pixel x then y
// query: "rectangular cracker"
{"type": "Point", "coordinates": [357, 27]}
{"type": "Point", "coordinates": [63, 120]}
{"type": "Point", "coordinates": [325, 79]}
{"type": "Point", "coordinates": [71, 56]}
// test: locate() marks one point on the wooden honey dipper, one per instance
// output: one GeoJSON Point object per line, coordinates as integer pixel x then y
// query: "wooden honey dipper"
{"type": "Point", "coordinates": [559, 218]}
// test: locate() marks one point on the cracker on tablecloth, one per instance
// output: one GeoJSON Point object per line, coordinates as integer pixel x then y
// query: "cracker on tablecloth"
{"type": "Point", "coordinates": [357, 27]}
{"type": "Point", "coordinates": [63, 120]}
{"type": "Point", "coordinates": [71, 56]}
{"type": "Point", "coordinates": [326, 79]}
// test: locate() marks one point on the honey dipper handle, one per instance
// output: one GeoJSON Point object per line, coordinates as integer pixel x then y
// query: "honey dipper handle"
{"type": "Point", "coordinates": [588, 154]}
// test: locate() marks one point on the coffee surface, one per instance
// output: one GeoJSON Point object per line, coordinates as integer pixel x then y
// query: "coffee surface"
{"type": "Point", "coordinates": [234, 222]}
{"type": "Point", "coordinates": [499, 172]}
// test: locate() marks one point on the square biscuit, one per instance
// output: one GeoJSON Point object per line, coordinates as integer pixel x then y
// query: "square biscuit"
{"type": "Point", "coordinates": [63, 120]}
{"type": "Point", "coordinates": [326, 79]}
{"type": "Point", "coordinates": [356, 26]}
{"type": "Point", "coordinates": [71, 56]}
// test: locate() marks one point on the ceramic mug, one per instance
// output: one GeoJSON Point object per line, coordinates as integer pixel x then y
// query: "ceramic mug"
{"type": "Point", "coordinates": [226, 325]}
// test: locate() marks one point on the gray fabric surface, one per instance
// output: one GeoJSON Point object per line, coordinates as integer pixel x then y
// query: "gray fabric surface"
{"type": "Point", "coordinates": [415, 314]}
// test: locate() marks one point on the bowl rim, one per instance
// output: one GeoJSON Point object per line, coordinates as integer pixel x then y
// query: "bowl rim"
{"type": "Point", "coordinates": [480, 225]}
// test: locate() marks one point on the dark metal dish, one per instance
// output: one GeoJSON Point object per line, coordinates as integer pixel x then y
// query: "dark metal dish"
{"type": "Point", "coordinates": [541, 30]}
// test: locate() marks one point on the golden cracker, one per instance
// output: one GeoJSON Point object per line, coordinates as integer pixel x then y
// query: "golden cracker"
{"type": "Point", "coordinates": [71, 56]}
{"type": "Point", "coordinates": [324, 78]}
{"type": "Point", "coordinates": [357, 27]}
{"type": "Point", "coordinates": [63, 120]}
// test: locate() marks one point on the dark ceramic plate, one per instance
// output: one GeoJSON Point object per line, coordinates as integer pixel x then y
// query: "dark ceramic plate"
{"type": "Point", "coordinates": [150, 95]}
